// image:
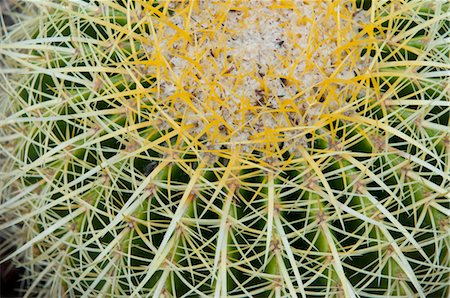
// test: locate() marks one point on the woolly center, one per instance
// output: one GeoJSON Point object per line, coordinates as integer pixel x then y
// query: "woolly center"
{"type": "Point", "coordinates": [256, 74]}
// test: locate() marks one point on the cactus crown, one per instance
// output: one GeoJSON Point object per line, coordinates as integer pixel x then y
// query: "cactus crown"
{"type": "Point", "coordinates": [227, 148]}
{"type": "Point", "coordinates": [255, 75]}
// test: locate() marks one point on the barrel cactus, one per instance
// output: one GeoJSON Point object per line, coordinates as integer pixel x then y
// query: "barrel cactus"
{"type": "Point", "coordinates": [227, 148]}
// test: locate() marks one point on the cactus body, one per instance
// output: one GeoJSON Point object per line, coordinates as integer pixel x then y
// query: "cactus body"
{"type": "Point", "coordinates": [227, 148]}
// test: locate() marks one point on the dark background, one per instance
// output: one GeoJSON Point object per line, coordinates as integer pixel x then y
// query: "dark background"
{"type": "Point", "coordinates": [9, 276]}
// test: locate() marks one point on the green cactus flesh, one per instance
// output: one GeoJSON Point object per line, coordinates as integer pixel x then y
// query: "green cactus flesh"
{"type": "Point", "coordinates": [227, 148]}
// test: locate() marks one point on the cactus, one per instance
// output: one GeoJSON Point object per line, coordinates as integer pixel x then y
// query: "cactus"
{"type": "Point", "coordinates": [214, 149]}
